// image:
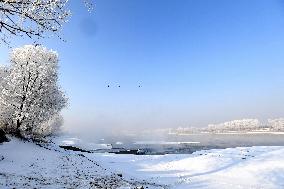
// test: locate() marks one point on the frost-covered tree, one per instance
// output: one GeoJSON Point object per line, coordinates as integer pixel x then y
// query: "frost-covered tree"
{"type": "Point", "coordinates": [276, 124]}
{"type": "Point", "coordinates": [30, 97]}
{"type": "Point", "coordinates": [33, 18]}
{"type": "Point", "coordinates": [4, 70]}
{"type": "Point", "coordinates": [49, 127]}
{"type": "Point", "coordinates": [235, 125]}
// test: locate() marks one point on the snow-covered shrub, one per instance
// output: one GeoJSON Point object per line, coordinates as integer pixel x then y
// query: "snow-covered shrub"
{"type": "Point", "coordinates": [30, 96]}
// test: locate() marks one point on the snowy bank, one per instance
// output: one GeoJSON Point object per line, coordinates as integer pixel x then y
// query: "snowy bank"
{"type": "Point", "coordinates": [244, 167]}
{"type": "Point", "coordinates": [27, 165]}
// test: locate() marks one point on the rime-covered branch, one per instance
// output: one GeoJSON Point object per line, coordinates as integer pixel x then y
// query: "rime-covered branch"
{"type": "Point", "coordinates": [30, 98]}
{"type": "Point", "coordinates": [31, 18]}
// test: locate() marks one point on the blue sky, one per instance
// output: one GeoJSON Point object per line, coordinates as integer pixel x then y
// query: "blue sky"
{"type": "Point", "coordinates": [198, 61]}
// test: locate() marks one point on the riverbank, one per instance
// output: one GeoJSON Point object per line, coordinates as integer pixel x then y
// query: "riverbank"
{"type": "Point", "coordinates": [26, 165]}
{"type": "Point", "coordinates": [29, 165]}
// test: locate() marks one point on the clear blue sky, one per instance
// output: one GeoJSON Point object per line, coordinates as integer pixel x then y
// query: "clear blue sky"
{"type": "Point", "coordinates": [198, 61]}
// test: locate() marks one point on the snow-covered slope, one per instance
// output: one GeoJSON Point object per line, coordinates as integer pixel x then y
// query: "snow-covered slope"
{"type": "Point", "coordinates": [26, 165]}
{"type": "Point", "coordinates": [246, 167]}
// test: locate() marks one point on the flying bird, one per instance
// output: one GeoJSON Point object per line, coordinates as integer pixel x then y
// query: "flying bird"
{"type": "Point", "coordinates": [119, 86]}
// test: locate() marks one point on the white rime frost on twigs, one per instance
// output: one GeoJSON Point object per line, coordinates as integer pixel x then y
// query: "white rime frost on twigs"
{"type": "Point", "coordinates": [30, 98]}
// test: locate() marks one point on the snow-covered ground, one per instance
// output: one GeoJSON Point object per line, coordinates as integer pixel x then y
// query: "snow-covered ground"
{"type": "Point", "coordinates": [74, 141]}
{"type": "Point", "coordinates": [244, 167]}
{"type": "Point", "coordinates": [26, 165]}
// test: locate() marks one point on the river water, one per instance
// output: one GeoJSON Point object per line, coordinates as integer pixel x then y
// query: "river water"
{"type": "Point", "coordinates": [171, 143]}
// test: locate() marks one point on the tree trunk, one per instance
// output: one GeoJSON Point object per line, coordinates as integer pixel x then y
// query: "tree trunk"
{"type": "Point", "coordinates": [3, 137]}
{"type": "Point", "coordinates": [17, 133]}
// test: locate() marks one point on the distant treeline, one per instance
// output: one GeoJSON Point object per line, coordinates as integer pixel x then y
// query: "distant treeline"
{"type": "Point", "coordinates": [236, 125]}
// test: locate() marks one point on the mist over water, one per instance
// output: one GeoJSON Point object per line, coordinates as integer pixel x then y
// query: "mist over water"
{"type": "Point", "coordinates": [160, 141]}
{"type": "Point", "coordinates": [96, 125]}
{"type": "Point", "coordinates": [194, 68]}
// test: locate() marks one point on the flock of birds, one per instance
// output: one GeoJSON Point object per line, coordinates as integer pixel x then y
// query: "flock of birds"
{"type": "Point", "coordinates": [139, 86]}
